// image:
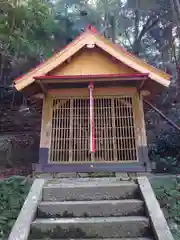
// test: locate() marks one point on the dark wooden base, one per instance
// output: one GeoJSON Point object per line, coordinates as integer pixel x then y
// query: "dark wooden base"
{"type": "Point", "coordinates": [44, 166]}
{"type": "Point", "coordinates": [91, 167]}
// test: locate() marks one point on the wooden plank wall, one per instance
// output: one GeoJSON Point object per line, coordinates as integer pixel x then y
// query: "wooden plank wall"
{"type": "Point", "coordinates": [89, 62]}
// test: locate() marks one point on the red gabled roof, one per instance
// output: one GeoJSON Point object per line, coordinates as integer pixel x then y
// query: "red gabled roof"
{"type": "Point", "coordinates": [91, 36]}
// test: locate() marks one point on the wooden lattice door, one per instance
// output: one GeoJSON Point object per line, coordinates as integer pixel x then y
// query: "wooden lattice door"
{"type": "Point", "coordinates": [114, 130]}
{"type": "Point", "coordinates": [70, 131]}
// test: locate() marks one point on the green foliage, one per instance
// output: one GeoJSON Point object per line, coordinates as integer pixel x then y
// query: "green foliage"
{"type": "Point", "coordinates": [21, 23]}
{"type": "Point", "coordinates": [13, 192]}
{"type": "Point", "coordinates": [29, 31]}
{"type": "Point", "coordinates": [168, 193]}
{"type": "Point", "coordinates": [165, 152]}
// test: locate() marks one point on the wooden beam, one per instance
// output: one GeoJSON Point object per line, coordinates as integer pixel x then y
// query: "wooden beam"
{"type": "Point", "coordinates": [88, 79]}
{"type": "Point", "coordinates": [145, 93]}
{"type": "Point", "coordinates": [45, 91]}
{"type": "Point", "coordinates": [141, 85]}
{"type": "Point", "coordinates": [37, 96]}
{"type": "Point", "coordinates": [162, 115]}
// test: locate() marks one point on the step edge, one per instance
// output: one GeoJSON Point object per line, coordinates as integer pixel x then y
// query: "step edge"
{"type": "Point", "coordinates": [90, 184]}
{"type": "Point", "coordinates": [98, 239]}
{"type": "Point", "coordinates": [91, 202]}
{"type": "Point", "coordinates": [91, 219]}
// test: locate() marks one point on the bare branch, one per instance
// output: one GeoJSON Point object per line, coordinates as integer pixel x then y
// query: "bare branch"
{"type": "Point", "coordinates": [130, 43]}
{"type": "Point", "coordinates": [148, 26]}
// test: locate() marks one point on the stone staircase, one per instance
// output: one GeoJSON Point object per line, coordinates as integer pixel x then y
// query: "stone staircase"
{"type": "Point", "coordinates": [104, 208]}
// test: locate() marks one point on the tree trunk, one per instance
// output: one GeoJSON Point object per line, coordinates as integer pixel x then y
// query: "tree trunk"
{"type": "Point", "coordinates": [136, 45]}
{"type": "Point", "coordinates": [175, 5]}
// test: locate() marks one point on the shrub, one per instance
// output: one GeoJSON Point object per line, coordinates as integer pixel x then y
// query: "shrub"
{"type": "Point", "coordinates": [165, 152]}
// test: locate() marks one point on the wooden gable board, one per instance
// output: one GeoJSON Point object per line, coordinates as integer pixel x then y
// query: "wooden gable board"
{"type": "Point", "coordinates": [89, 38]}
{"type": "Point", "coordinates": [91, 62]}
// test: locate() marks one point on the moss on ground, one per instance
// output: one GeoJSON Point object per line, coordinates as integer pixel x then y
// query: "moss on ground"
{"type": "Point", "coordinates": [13, 192]}
{"type": "Point", "coordinates": [167, 190]}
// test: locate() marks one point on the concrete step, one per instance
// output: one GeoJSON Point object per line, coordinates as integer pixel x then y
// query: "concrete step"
{"type": "Point", "coordinates": [112, 227]}
{"type": "Point", "coordinates": [98, 239]}
{"type": "Point", "coordinates": [101, 208]}
{"type": "Point", "coordinates": [96, 189]}
{"type": "Point", "coordinates": [87, 180]}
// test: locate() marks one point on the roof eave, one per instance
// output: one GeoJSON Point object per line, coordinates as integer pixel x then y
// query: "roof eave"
{"type": "Point", "coordinates": [128, 59]}
{"type": "Point", "coordinates": [160, 80]}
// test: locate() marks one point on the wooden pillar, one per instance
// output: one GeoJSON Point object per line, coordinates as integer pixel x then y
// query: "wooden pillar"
{"type": "Point", "coordinates": [140, 131]}
{"type": "Point", "coordinates": [137, 125]}
{"type": "Point", "coordinates": [45, 137]}
{"type": "Point", "coordinates": [144, 146]}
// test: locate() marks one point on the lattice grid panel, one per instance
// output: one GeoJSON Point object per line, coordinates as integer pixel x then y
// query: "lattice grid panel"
{"type": "Point", "coordinates": [60, 130]}
{"type": "Point", "coordinates": [125, 129]}
{"type": "Point", "coordinates": [81, 131]}
{"type": "Point", "coordinates": [70, 131]}
{"type": "Point", "coordinates": [114, 130]}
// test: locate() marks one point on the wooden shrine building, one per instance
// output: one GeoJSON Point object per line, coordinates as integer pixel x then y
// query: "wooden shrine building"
{"type": "Point", "coordinates": [92, 119]}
